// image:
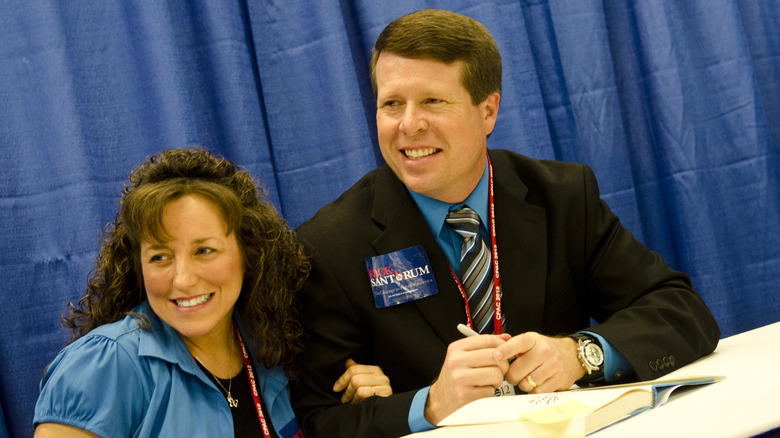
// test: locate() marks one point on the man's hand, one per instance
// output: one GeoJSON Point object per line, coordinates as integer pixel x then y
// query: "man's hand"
{"type": "Point", "coordinates": [470, 372]}
{"type": "Point", "coordinates": [551, 363]}
{"type": "Point", "coordinates": [362, 381]}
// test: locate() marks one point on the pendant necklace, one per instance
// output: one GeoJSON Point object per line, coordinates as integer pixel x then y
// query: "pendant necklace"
{"type": "Point", "coordinates": [233, 403]}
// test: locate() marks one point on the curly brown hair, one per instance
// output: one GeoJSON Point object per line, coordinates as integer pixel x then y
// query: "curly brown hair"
{"type": "Point", "coordinates": [275, 266]}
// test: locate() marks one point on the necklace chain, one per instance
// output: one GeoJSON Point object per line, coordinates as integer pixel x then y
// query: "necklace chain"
{"type": "Point", "coordinates": [232, 402]}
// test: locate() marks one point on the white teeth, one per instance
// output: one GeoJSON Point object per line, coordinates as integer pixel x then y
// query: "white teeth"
{"type": "Point", "coordinates": [193, 302]}
{"type": "Point", "coordinates": [419, 153]}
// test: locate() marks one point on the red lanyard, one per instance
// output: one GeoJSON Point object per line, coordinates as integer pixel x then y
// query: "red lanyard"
{"type": "Point", "coordinates": [498, 317]}
{"type": "Point", "coordinates": [253, 384]}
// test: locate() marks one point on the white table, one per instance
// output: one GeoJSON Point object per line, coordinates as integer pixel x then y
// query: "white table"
{"type": "Point", "coordinates": [746, 403]}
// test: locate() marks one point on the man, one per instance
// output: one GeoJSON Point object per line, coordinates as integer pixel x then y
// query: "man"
{"type": "Point", "coordinates": [392, 276]}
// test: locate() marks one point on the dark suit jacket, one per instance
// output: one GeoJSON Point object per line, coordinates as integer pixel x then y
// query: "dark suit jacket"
{"type": "Point", "coordinates": [564, 258]}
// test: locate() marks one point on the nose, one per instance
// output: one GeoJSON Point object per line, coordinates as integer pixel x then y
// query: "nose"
{"type": "Point", "coordinates": [185, 277]}
{"type": "Point", "coordinates": [413, 120]}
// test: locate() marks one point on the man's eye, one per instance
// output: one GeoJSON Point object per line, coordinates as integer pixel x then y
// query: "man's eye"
{"type": "Point", "coordinates": [432, 100]}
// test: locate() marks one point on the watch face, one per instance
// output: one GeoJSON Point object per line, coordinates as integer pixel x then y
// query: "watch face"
{"type": "Point", "coordinates": [594, 355]}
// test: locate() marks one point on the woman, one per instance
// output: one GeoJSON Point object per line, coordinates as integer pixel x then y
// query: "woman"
{"type": "Point", "coordinates": [189, 309]}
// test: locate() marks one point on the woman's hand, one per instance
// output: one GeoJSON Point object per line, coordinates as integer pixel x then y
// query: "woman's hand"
{"type": "Point", "coordinates": [362, 381]}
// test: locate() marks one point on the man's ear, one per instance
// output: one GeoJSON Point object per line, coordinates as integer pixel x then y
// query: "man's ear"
{"type": "Point", "coordinates": [490, 108]}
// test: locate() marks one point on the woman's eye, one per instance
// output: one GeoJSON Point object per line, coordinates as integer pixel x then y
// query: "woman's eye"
{"type": "Point", "coordinates": [204, 251]}
{"type": "Point", "coordinates": [157, 258]}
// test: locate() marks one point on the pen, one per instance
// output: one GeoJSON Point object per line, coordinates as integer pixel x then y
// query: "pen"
{"type": "Point", "coordinates": [466, 330]}
{"type": "Point", "coordinates": [506, 388]}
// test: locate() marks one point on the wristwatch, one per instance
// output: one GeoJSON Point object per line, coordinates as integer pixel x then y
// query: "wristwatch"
{"type": "Point", "coordinates": [591, 357]}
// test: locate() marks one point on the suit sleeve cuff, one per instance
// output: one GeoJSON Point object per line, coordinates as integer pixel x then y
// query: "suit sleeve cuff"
{"type": "Point", "coordinates": [417, 421]}
{"type": "Point", "coordinates": [616, 366]}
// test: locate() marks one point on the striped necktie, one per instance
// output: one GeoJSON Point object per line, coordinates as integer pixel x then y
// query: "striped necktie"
{"type": "Point", "coordinates": [476, 267]}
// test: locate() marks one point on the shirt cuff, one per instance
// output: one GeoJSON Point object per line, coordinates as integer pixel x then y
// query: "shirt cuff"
{"type": "Point", "coordinates": [616, 367]}
{"type": "Point", "coordinates": [417, 421]}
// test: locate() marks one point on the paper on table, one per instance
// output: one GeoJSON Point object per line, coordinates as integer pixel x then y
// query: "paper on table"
{"type": "Point", "coordinates": [557, 413]}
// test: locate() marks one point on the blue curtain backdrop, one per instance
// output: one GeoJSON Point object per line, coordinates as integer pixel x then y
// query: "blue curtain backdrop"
{"type": "Point", "coordinates": [675, 105]}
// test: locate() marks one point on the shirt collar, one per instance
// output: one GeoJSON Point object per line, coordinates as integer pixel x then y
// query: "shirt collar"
{"type": "Point", "coordinates": [164, 342]}
{"type": "Point", "coordinates": [435, 211]}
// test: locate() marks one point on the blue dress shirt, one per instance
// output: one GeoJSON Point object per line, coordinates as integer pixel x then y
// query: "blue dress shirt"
{"type": "Point", "coordinates": [120, 378]}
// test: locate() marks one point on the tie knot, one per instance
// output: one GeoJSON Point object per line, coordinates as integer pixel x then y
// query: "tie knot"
{"type": "Point", "coordinates": [464, 221]}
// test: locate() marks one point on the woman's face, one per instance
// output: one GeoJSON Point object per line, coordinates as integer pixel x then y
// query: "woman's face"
{"type": "Point", "coordinates": [193, 281]}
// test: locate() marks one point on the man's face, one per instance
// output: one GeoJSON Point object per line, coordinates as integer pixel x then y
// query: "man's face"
{"type": "Point", "coordinates": [430, 133]}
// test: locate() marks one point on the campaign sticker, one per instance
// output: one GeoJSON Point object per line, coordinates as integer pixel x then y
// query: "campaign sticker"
{"type": "Point", "coordinates": [401, 276]}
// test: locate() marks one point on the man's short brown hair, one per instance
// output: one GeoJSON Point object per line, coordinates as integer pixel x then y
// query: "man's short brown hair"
{"type": "Point", "coordinates": [447, 37]}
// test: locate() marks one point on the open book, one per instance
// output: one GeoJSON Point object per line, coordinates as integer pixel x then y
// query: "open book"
{"type": "Point", "coordinates": [576, 412]}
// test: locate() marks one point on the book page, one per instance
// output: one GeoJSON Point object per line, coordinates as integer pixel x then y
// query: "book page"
{"type": "Point", "coordinates": [564, 405]}
{"type": "Point", "coordinates": [550, 407]}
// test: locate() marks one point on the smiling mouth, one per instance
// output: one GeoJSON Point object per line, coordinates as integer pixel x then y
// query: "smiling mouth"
{"type": "Point", "coordinates": [415, 154]}
{"type": "Point", "coordinates": [194, 301]}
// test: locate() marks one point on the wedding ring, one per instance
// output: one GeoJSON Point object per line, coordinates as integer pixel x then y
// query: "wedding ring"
{"type": "Point", "coordinates": [373, 389]}
{"type": "Point", "coordinates": [531, 381]}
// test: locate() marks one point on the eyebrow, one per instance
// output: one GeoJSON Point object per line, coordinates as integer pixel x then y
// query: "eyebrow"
{"type": "Point", "coordinates": [164, 245]}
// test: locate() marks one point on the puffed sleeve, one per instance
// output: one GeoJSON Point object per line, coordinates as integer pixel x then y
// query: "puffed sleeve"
{"type": "Point", "coordinates": [93, 384]}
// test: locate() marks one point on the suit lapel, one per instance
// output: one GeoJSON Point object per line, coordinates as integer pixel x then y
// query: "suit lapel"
{"type": "Point", "coordinates": [522, 249]}
{"type": "Point", "coordinates": [522, 246]}
{"type": "Point", "coordinates": [404, 226]}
